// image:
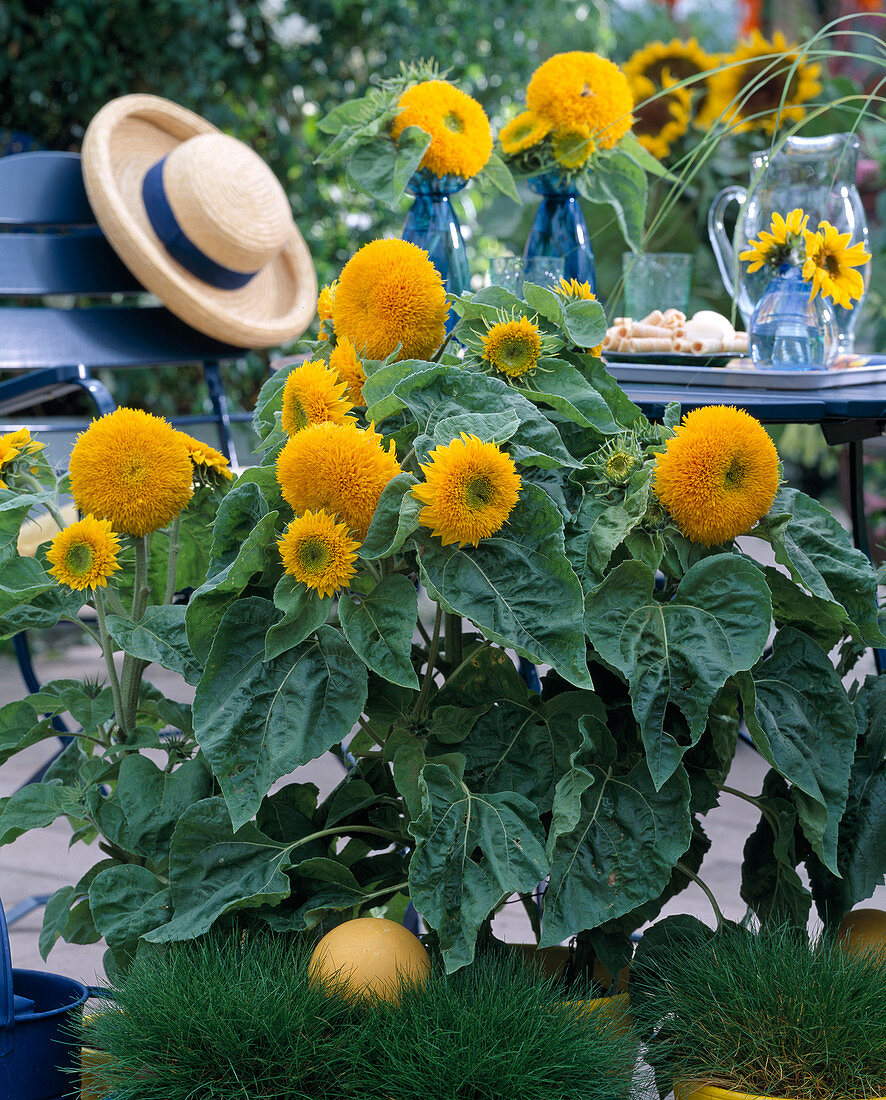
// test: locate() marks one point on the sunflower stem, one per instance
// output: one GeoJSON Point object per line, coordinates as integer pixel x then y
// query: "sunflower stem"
{"type": "Point", "coordinates": [705, 889]}
{"type": "Point", "coordinates": [452, 643]}
{"type": "Point", "coordinates": [432, 666]}
{"type": "Point", "coordinates": [173, 559]}
{"type": "Point", "coordinates": [133, 667]}
{"type": "Point", "coordinates": [107, 650]}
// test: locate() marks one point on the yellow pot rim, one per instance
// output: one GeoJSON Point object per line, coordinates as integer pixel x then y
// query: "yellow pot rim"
{"type": "Point", "coordinates": [695, 1091]}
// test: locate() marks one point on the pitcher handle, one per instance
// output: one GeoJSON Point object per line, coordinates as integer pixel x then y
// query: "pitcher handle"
{"type": "Point", "coordinates": [720, 242]}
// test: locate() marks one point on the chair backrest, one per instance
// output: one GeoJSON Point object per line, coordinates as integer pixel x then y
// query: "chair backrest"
{"type": "Point", "coordinates": [50, 244]}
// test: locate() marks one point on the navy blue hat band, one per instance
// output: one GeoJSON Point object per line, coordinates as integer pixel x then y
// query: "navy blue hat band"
{"type": "Point", "coordinates": [177, 243]}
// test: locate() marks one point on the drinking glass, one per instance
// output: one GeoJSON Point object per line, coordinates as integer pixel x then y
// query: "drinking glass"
{"type": "Point", "coordinates": [510, 272]}
{"type": "Point", "coordinates": [655, 280]}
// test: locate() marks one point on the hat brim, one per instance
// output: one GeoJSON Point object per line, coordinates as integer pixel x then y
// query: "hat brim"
{"type": "Point", "coordinates": [126, 138]}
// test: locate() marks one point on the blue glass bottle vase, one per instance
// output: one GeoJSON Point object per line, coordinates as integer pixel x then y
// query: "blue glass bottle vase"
{"type": "Point", "coordinates": [560, 229]}
{"type": "Point", "coordinates": [432, 224]}
{"type": "Point", "coordinates": [790, 331]}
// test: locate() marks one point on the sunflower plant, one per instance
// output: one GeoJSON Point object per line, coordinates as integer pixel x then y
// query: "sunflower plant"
{"type": "Point", "coordinates": [512, 606]}
{"type": "Point", "coordinates": [577, 128]}
{"type": "Point", "coordinates": [414, 122]}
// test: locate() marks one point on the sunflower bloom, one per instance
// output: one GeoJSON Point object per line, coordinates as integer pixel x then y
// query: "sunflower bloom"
{"type": "Point", "coordinates": [577, 89]}
{"type": "Point", "coordinates": [461, 139]}
{"type": "Point", "coordinates": [523, 132]}
{"type": "Point", "coordinates": [573, 290]}
{"type": "Point", "coordinates": [324, 307]}
{"type": "Point", "coordinates": [513, 347]}
{"type": "Point", "coordinates": [470, 489]}
{"type": "Point", "coordinates": [337, 467]}
{"type": "Point", "coordinates": [343, 359]}
{"type": "Point", "coordinates": [319, 552]}
{"type": "Point", "coordinates": [313, 394]}
{"type": "Point", "coordinates": [207, 460]}
{"type": "Point", "coordinates": [661, 115]}
{"type": "Point", "coordinates": [133, 469]}
{"type": "Point", "coordinates": [573, 147]}
{"type": "Point", "coordinates": [829, 264]}
{"type": "Point", "coordinates": [682, 60]}
{"type": "Point", "coordinates": [15, 444]}
{"type": "Point", "coordinates": [390, 294]}
{"type": "Point", "coordinates": [84, 555]}
{"type": "Point", "coordinates": [765, 84]}
{"type": "Point", "coordinates": [719, 474]}
{"type": "Point", "coordinates": [774, 248]}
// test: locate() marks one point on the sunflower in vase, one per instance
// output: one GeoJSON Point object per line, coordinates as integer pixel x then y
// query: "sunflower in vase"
{"type": "Point", "coordinates": [790, 328]}
{"type": "Point", "coordinates": [575, 138]}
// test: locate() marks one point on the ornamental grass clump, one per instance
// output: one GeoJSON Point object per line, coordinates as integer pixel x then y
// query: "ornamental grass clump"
{"type": "Point", "coordinates": [769, 1014]}
{"type": "Point", "coordinates": [493, 1030]}
{"type": "Point", "coordinates": [226, 1017]}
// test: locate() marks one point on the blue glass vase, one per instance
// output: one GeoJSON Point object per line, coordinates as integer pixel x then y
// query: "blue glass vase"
{"type": "Point", "coordinates": [432, 224]}
{"type": "Point", "coordinates": [560, 229]}
{"type": "Point", "coordinates": [788, 331]}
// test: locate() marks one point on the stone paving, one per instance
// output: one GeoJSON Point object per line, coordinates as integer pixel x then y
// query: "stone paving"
{"type": "Point", "coordinates": [41, 861]}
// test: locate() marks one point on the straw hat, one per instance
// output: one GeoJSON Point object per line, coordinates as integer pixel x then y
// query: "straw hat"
{"type": "Point", "coordinates": [200, 220]}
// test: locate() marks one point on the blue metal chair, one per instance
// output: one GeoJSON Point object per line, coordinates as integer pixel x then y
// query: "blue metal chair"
{"type": "Point", "coordinates": [50, 244]}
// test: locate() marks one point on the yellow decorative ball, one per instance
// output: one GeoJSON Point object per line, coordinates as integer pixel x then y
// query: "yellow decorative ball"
{"type": "Point", "coordinates": [863, 930]}
{"type": "Point", "coordinates": [370, 957]}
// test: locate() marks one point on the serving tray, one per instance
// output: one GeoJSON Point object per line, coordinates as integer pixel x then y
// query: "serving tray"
{"type": "Point", "coordinates": [738, 374]}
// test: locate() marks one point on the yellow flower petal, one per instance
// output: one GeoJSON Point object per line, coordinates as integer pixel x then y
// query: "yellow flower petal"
{"type": "Point", "coordinates": [319, 552]}
{"type": "Point", "coordinates": [461, 139]}
{"type": "Point", "coordinates": [84, 555]}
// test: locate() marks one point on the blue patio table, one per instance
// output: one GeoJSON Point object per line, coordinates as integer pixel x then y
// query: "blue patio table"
{"type": "Point", "coordinates": [846, 414]}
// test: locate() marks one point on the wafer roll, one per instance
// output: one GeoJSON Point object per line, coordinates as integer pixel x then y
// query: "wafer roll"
{"type": "Point", "coordinates": [641, 328]}
{"type": "Point", "coordinates": [650, 343]}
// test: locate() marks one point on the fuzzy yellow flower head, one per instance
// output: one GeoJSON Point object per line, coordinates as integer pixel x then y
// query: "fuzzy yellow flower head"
{"type": "Point", "coordinates": [15, 444]}
{"type": "Point", "coordinates": [830, 260]}
{"type": "Point", "coordinates": [461, 140]}
{"type": "Point", "coordinates": [513, 347]}
{"type": "Point", "coordinates": [523, 132]}
{"type": "Point", "coordinates": [324, 307]}
{"type": "Point", "coordinates": [470, 489]}
{"type": "Point", "coordinates": [313, 393]}
{"type": "Point", "coordinates": [343, 360]}
{"type": "Point", "coordinates": [763, 85]}
{"type": "Point", "coordinates": [208, 462]}
{"type": "Point", "coordinates": [785, 237]}
{"type": "Point", "coordinates": [337, 467]}
{"type": "Point", "coordinates": [133, 469]}
{"type": "Point", "coordinates": [390, 293]}
{"type": "Point", "coordinates": [661, 115]}
{"type": "Point", "coordinates": [582, 89]}
{"type": "Point", "coordinates": [719, 474]}
{"type": "Point", "coordinates": [319, 551]}
{"type": "Point", "coordinates": [84, 555]}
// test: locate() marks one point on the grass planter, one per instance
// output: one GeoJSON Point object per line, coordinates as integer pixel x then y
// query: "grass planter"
{"type": "Point", "coordinates": [734, 1014]}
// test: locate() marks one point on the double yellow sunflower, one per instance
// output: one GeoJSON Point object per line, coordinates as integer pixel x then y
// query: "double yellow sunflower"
{"type": "Point", "coordinates": [313, 393]}
{"type": "Point", "coordinates": [580, 91]}
{"type": "Point", "coordinates": [719, 474]}
{"type": "Point", "coordinates": [470, 489]}
{"type": "Point", "coordinates": [84, 555]}
{"type": "Point", "coordinates": [461, 139]}
{"type": "Point", "coordinates": [512, 347]}
{"type": "Point", "coordinates": [343, 360]}
{"type": "Point", "coordinates": [390, 295]}
{"type": "Point", "coordinates": [319, 552]}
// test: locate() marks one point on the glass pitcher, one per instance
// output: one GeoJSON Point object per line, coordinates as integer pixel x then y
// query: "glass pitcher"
{"type": "Point", "coordinates": [817, 174]}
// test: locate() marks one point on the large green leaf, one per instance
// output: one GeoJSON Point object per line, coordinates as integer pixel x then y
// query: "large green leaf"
{"type": "Point", "coordinates": [258, 720]}
{"type": "Point", "coordinates": [517, 586]}
{"type": "Point", "coordinates": [444, 391]}
{"type": "Point", "coordinates": [614, 838]}
{"type": "Point", "coordinates": [214, 870]}
{"type": "Point", "coordinates": [861, 847]}
{"type": "Point", "coordinates": [127, 901]}
{"type": "Point", "coordinates": [679, 653]}
{"type": "Point", "coordinates": [382, 169]}
{"type": "Point", "coordinates": [21, 579]}
{"type": "Point", "coordinates": [380, 625]}
{"type": "Point", "coordinates": [88, 704]}
{"type": "Point", "coordinates": [20, 727]}
{"type": "Point", "coordinates": [801, 720]}
{"type": "Point", "coordinates": [770, 884]}
{"type": "Point", "coordinates": [303, 611]}
{"type": "Point", "coordinates": [560, 385]}
{"type": "Point", "coordinates": [394, 519]}
{"type": "Point", "coordinates": [159, 636]}
{"type": "Point", "coordinates": [14, 506]}
{"type": "Point", "coordinates": [470, 852]}
{"type": "Point", "coordinates": [619, 181]}
{"type": "Point", "coordinates": [36, 806]}
{"type": "Point", "coordinates": [599, 526]}
{"type": "Point", "coordinates": [817, 551]}
{"type": "Point", "coordinates": [255, 550]}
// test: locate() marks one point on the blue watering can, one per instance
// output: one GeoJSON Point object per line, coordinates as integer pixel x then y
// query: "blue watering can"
{"type": "Point", "coordinates": [38, 1053]}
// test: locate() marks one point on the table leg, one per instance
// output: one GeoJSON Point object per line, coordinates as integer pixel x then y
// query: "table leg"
{"type": "Point", "coordinates": [857, 516]}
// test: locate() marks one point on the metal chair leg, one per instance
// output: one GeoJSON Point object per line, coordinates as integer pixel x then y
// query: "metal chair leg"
{"type": "Point", "coordinates": [212, 374]}
{"type": "Point", "coordinates": [857, 516]}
